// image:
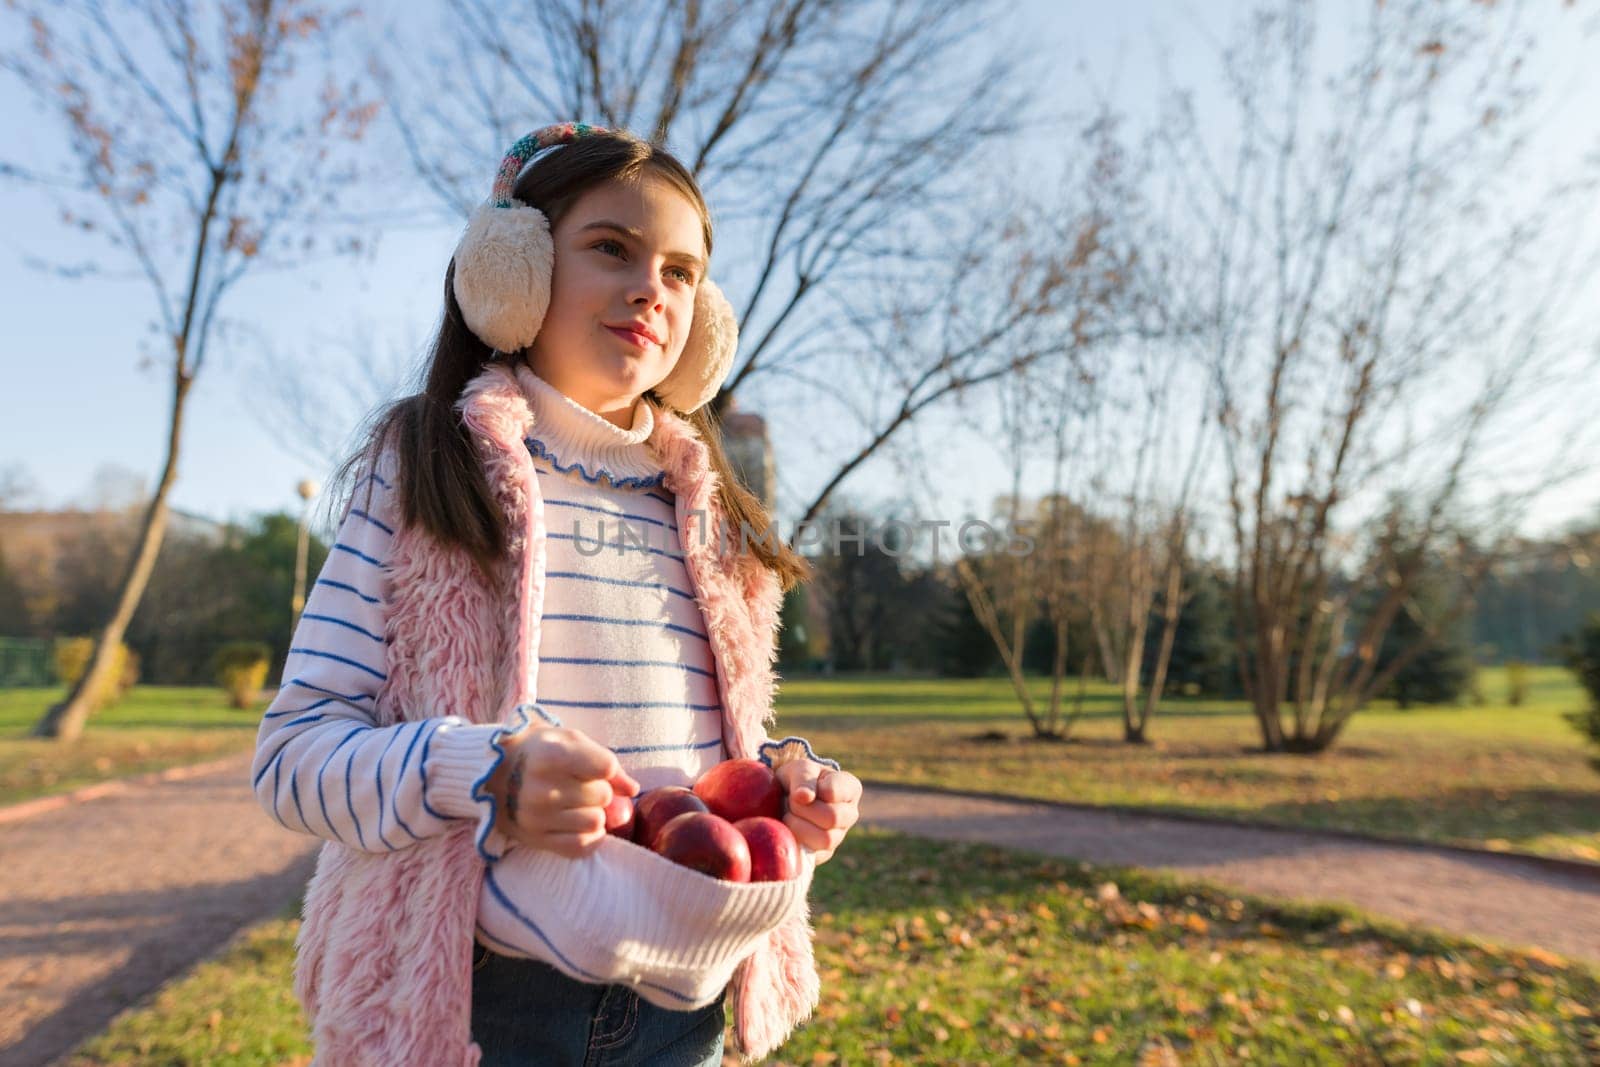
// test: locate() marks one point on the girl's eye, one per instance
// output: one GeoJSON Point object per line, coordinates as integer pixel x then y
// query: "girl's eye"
{"type": "Point", "coordinates": [609, 247]}
{"type": "Point", "coordinates": [683, 275]}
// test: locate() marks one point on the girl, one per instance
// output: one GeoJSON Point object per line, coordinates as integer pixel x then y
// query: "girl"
{"type": "Point", "coordinates": [481, 667]}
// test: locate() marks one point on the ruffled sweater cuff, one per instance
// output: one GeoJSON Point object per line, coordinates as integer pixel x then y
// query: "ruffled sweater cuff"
{"type": "Point", "coordinates": [459, 760]}
{"type": "Point", "coordinates": [776, 754]}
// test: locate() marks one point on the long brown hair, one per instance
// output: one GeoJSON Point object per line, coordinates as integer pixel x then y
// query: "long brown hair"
{"type": "Point", "coordinates": [441, 481]}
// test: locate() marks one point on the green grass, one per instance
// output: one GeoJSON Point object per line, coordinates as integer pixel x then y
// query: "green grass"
{"type": "Point", "coordinates": [152, 728]}
{"type": "Point", "coordinates": [940, 953]}
{"type": "Point", "coordinates": [1495, 776]}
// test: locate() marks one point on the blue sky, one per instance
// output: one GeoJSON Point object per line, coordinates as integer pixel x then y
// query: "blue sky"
{"type": "Point", "coordinates": [73, 397]}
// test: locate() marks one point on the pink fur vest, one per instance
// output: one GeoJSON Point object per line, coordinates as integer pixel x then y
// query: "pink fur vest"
{"type": "Point", "coordinates": [385, 951]}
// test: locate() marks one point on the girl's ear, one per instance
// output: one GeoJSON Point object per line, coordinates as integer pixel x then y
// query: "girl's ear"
{"type": "Point", "coordinates": [502, 274]}
{"type": "Point", "coordinates": [707, 354]}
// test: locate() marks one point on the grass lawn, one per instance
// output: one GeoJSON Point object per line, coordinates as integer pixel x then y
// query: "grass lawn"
{"type": "Point", "coordinates": [1495, 775]}
{"type": "Point", "coordinates": [1492, 775]}
{"type": "Point", "coordinates": [153, 728]}
{"type": "Point", "coordinates": [940, 953]}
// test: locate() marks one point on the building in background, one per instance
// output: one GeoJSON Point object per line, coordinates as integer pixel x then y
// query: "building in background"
{"type": "Point", "coordinates": [749, 449]}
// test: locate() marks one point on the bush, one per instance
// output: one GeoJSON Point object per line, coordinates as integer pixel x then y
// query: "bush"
{"type": "Point", "coordinates": [1581, 651]}
{"type": "Point", "coordinates": [1516, 682]}
{"type": "Point", "coordinates": [71, 655]}
{"type": "Point", "coordinates": [1582, 654]}
{"type": "Point", "coordinates": [242, 671]}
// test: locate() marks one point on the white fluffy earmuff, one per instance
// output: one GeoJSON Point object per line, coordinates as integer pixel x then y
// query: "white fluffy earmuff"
{"type": "Point", "coordinates": [707, 354]}
{"type": "Point", "coordinates": [503, 265]}
{"type": "Point", "coordinates": [502, 278]}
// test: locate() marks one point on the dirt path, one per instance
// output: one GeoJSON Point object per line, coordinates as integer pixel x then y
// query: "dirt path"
{"type": "Point", "coordinates": [103, 901]}
{"type": "Point", "coordinates": [1498, 898]}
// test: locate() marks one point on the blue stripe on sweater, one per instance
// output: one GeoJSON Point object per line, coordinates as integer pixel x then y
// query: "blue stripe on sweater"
{"type": "Point", "coordinates": [377, 778]}
{"type": "Point", "coordinates": [277, 784]}
{"type": "Point", "coordinates": [363, 515]}
{"type": "Point", "coordinates": [294, 787]}
{"type": "Point", "coordinates": [348, 588]}
{"type": "Point", "coordinates": [627, 622]}
{"type": "Point", "coordinates": [298, 711]}
{"type": "Point", "coordinates": [585, 662]}
{"type": "Point", "coordinates": [330, 692]}
{"type": "Point", "coordinates": [404, 763]}
{"type": "Point", "coordinates": [422, 770]}
{"type": "Point", "coordinates": [286, 742]}
{"type": "Point", "coordinates": [362, 556]}
{"type": "Point", "coordinates": [342, 659]}
{"type": "Point", "coordinates": [581, 577]}
{"type": "Point", "coordinates": [373, 477]}
{"type": "Point", "coordinates": [668, 748]}
{"type": "Point", "coordinates": [617, 705]}
{"type": "Point", "coordinates": [505, 902]}
{"type": "Point", "coordinates": [323, 800]}
{"type": "Point", "coordinates": [608, 511]}
{"type": "Point", "coordinates": [617, 546]}
{"type": "Point", "coordinates": [349, 802]}
{"type": "Point", "coordinates": [539, 450]}
{"type": "Point", "coordinates": [363, 631]}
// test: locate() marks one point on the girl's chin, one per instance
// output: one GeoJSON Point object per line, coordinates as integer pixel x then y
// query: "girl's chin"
{"type": "Point", "coordinates": [630, 374]}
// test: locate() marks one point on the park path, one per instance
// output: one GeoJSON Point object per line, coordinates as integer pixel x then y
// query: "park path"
{"type": "Point", "coordinates": [102, 901]}
{"type": "Point", "coordinates": [1505, 899]}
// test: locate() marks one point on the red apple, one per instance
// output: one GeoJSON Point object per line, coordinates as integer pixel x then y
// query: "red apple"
{"type": "Point", "coordinates": [774, 853]}
{"type": "Point", "coordinates": [657, 807]}
{"type": "Point", "coordinates": [741, 789]}
{"type": "Point", "coordinates": [706, 843]}
{"type": "Point", "coordinates": [619, 816]}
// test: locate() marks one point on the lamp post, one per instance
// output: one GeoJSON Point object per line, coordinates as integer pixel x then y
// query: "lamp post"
{"type": "Point", "coordinates": [308, 490]}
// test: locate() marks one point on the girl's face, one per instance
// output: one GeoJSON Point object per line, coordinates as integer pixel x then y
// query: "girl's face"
{"type": "Point", "coordinates": [628, 256]}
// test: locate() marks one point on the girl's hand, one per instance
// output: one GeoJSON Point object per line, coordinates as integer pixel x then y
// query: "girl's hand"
{"type": "Point", "coordinates": [551, 789]}
{"type": "Point", "coordinates": [823, 805]}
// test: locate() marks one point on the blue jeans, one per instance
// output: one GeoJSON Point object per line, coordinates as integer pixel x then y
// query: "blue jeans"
{"type": "Point", "coordinates": [525, 1013]}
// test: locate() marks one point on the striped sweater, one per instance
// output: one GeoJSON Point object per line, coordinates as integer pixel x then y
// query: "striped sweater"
{"type": "Point", "coordinates": [623, 652]}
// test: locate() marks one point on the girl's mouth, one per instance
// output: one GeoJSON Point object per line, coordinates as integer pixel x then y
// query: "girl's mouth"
{"type": "Point", "coordinates": [633, 337]}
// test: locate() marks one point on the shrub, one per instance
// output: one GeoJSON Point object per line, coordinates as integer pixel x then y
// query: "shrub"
{"type": "Point", "coordinates": [1516, 682]}
{"type": "Point", "coordinates": [1582, 654]}
{"type": "Point", "coordinates": [242, 671]}
{"type": "Point", "coordinates": [71, 655]}
{"type": "Point", "coordinates": [1581, 651]}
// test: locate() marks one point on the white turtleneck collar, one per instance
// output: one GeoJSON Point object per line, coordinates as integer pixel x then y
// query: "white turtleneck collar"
{"type": "Point", "coordinates": [571, 436]}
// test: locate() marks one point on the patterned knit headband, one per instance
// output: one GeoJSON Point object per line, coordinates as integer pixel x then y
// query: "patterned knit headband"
{"type": "Point", "coordinates": [547, 137]}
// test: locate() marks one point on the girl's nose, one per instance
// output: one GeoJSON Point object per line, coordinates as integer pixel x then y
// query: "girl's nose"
{"type": "Point", "coordinates": [646, 289]}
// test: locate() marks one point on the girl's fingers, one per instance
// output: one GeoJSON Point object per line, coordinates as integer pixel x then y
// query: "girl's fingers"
{"type": "Point", "coordinates": [828, 816]}
{"type": "Point", "coordinates": [623, 784]}
{"type": "Point", "coordinates": [839, 787]}
{"type": "Point", "coordinates": [567, 794]}
{"type": "Point", "coordinates": [573, 821]}
{"type": "Point", "coordinates": [799, 780]}
{"type": "Point", "coordinates": [811, 836]}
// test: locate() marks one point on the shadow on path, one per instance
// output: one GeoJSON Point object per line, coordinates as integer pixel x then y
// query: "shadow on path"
{"type": "Point", "coordinates": [105, 900]}
{"type": "Point", "coordinates": [1498, 898]}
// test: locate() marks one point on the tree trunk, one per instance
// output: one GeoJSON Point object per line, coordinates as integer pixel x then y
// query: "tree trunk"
{"type": "Point", "coordinates": [1132, 675]}
{"type": "Point", "coordinates": [1171, 609]}
{"type": "Point", "coordinates": [65, 721]}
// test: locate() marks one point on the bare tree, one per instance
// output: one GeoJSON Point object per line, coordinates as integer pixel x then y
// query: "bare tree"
{"type": "Point", "coordinates": [836, 158]}
{"type": "Point", "coordinates": [17, 487]}
{"type": "Point", "coordinates": [201, 149]}
{"type": "Point", "coordinates": [1377, 294]}
{"type": "Point", "coordinates": [1152, 552]}
{"type": "Point", "coordinates": [317, 420]}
